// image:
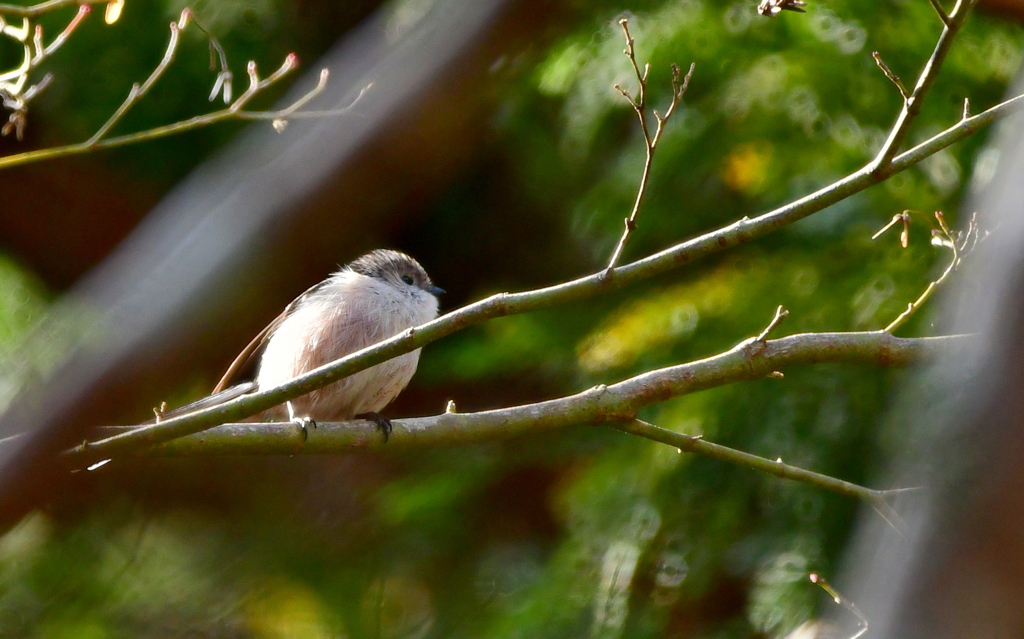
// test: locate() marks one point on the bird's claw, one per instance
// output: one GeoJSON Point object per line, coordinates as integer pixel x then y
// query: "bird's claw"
{"type": "Point", "coordinates": [383, 423]}
{"type": "Point", "coordinates": [304, 423]}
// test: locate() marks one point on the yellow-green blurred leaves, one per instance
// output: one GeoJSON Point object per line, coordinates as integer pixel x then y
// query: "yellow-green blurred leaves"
{"type": "Point", "coordinates": [747, 167]}
{"type": "Point", "coordinates": [284, 609]}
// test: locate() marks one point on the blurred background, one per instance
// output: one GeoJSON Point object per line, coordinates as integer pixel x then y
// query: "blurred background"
{"type": "Point", "coordinates": [509, 166]}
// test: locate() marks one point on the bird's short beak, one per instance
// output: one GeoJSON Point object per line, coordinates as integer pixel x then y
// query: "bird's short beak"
{"type": "Point", "coordinates": [435, 290]}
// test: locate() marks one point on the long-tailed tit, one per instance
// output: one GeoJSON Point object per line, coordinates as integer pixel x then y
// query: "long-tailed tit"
{"type": "Point", "coordinates": [371, 299]}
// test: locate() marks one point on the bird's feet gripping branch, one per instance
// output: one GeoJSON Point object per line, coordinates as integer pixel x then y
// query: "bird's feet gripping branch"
{"type": "Point", "coordinates": [383, 423]}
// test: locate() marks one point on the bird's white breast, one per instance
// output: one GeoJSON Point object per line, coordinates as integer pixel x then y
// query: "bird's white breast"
{"type": "Point", "coordinates": [349, 312]}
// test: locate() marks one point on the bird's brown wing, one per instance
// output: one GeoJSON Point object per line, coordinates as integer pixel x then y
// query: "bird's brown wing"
{"type": "Point", "coordinates": [253, 349]}
{"type": "Point", "coordinates": [216, 399]}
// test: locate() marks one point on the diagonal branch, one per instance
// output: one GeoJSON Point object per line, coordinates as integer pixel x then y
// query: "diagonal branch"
{"type": "Point", "coordinates": [42, 8]}
{"type": "Point", "coordinates": [940, 11]}
{"type": "Point", "coordinates": [912, 102]}
{"type": "Point", "coordinates": [504, 304]}
{"type": "Point", "coordinates": [895, 79]}
{"type": "Point", "coordinates": [700, 446]}
{"type": "Point", "coordinates": [138, 91]}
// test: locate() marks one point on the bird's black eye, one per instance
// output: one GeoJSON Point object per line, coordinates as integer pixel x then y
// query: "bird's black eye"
{"type": "Point", "coordinates": [407, 280]}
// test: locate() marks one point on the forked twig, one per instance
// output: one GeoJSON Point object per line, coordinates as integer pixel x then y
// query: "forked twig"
{"type": "Point", "coordinates": [14, 92]}
{"type": "Point", "coordinates": [639, 104]}
{"type": "Point", "coordinates": [235, 108]}
{"type": "Point", "coordinates": [940, 11]}
{"type": "Point", "coordinates": [36, 10]}
{"type": "Point", "coordinates": [913, 99]}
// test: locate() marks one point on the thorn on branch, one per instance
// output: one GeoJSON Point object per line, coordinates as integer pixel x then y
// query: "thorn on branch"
{"type": "Point", "coordinates": [772, 8]}
{"type": "Point", "coordinates": [895, 79]}
{"type": "Point", "coordinates": [967, 108]}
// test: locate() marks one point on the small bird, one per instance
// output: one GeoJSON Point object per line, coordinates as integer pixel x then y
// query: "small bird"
{"type": "Point", "coordinates": [375, 297]}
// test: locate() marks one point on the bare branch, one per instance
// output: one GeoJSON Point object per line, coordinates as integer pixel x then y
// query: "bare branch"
{"type": "Point", "coordinates": [780, 314]}
{"type": "Point", "coordinates": [42, 8]}
{"type": "Point", "coordinates": [222, 83]}
{"type": "Point", "coordinates": [504, 304]}
{"type": "Point", "coordinates": [957, 243]}
{"type": "Point", "coordinates": [912, 101]}
{"type": "Point", "coordinates": [940, 11]}
{"type": "Point", "coordinates": [137, 90]}
{"type": "Point", "coordinates": [222, 86]}
{"type": "Point", "coordinates": [13, 92]}
{"type": "Point", "coordinates": [700, 446]}
{"type": "Point", "coordinates": [639, 105]}
{"type": "Point", "coordinates": [614, 403]}
{"type": "Point", "coordinates": [895, 79]}
{"type": "Point", "coordinates": [844, 602]}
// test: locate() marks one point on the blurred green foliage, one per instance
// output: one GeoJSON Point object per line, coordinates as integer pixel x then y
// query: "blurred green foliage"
{"type": "Point", "coordinates": [586, 533]}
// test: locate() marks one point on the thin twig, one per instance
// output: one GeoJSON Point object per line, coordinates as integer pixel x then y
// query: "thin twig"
{"type": "Point", "coordinates": [42, 52]}
{"type": "Point", "coordinates": [222, 83]}
{"type": "Point", "coordinates": [780, 314]}
{"type": "Point", "coordinates": [289, 112]}
{"type": "Point", "coordinates": [137, 90]}
{"type": "Point", "coordinates": [895, 79]}
{"type": "Point", "coordinates": [42, 8]}
{"type": "Point", "coordinates": [940, 11]}
{"type": "Point", "coordinates": [13, 91]}
{"type": "Point", "coordinates": [844, 602]}
{"type": "Point", "coordinates": [912, 102]}
{"type": "Point", "coordinates": [166, 130]}
{"type": "Point", "coordinates": [639, 105]}
{"type": "Point", "coordinates": [700, 446]}
{"type": "Point", "coordinates": [234, 110]}
{"type": "Point", "coordinates": [944, 237]}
